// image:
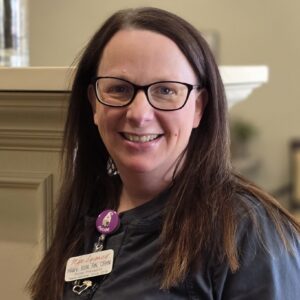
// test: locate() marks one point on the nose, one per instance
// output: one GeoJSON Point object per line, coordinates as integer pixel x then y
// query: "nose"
{"type": "Point", "coordinates": [140, 112]}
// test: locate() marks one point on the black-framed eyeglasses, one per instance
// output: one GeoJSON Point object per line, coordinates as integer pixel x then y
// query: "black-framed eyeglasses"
{"type": "Point", "coordinates": [162, 95]}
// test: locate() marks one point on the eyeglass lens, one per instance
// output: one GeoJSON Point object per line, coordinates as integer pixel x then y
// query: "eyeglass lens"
{"type": "Point", "coordinates": [162, 95]}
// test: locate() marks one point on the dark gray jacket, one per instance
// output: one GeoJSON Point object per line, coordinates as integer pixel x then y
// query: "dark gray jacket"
{"type": "Point", "coordinates": [267, 271]}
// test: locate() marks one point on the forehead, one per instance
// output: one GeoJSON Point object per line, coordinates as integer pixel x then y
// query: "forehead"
{"type": "Point", "coordinates": [137, 52]}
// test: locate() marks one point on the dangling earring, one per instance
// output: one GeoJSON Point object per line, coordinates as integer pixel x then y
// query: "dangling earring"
{"type": "Point", "coordinates": [111, 168]}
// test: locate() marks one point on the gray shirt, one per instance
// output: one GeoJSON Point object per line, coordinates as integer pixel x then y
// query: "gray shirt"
{"type": "Point", "coordinates": [267, 271]}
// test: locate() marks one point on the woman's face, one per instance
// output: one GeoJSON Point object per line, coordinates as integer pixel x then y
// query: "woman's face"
{"type": "Point", "coordinates": [138, 137]}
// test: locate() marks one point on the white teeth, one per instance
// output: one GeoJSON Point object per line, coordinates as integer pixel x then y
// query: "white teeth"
{"type": "Point", "coordinates": [140, 138]}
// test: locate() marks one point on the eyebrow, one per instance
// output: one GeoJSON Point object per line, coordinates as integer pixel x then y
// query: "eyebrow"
{"type": "Point", "coordinates": [158, 79]}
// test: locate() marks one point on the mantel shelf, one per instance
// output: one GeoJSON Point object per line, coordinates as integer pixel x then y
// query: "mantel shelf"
{"type": "Point", "coordinates": [239, 81]}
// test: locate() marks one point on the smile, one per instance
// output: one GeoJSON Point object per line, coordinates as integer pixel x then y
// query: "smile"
{"type": "Point", "coordinates": [140, 138]}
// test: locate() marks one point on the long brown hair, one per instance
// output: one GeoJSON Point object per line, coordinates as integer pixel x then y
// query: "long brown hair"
{"type": "Point", "coordinates": [204, 194]}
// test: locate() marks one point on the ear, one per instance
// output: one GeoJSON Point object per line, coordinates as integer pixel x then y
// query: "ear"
{"type": "Point", "coordinates": [200, 103]}
{"type": "Point", "coordinates": [92, 100]}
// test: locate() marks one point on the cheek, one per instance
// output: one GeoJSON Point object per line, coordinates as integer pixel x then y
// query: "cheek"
{"type": "Point", "coordinates": [108, 120]}
{"type": "Point", "coordinates": [101, 115]}
{"type": "Point", "coordinates": [179, 130]}
{"type": "Point", "coordinates": [184, 120]}
{"type": "Point", "coordinates": [185, 124]}
{"type": "Point", "coordinates": [97, 115]}
{"type": "Point", "coordinates": [100, 121]}
{"type": "Point", "coordinates": [96, 120]}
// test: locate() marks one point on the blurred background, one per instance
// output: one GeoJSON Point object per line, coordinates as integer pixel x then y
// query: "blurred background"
{"type": "Point", "coordinates": [265, 128]}
{"type": "Point", "coordinates": [257, 32]}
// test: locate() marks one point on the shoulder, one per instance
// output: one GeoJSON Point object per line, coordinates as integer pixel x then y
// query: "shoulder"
{"type": "Point", "coordinates": [264, 228]}
{"type": "Point", "coordinates": [267, 269]}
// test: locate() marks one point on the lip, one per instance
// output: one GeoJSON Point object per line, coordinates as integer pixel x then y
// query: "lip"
{"type": "Point", "coordinates": [140, 141]}
{"type": "Point", "coordinates": [140, 138]}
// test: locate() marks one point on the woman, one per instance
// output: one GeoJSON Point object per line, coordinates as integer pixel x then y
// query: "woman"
{"type": "Point", "coordinates": [147, 136]}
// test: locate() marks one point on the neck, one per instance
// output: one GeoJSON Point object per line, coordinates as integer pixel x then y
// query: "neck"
{"type": "Point", "coordinates": [140, 189]}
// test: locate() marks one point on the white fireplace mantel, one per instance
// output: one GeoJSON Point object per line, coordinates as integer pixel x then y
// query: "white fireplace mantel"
{"type": "Point", "coordinates": [239, 81]}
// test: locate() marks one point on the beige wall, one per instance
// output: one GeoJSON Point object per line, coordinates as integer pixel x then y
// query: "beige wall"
{"type": "Point", "coordinates": [251, 32]}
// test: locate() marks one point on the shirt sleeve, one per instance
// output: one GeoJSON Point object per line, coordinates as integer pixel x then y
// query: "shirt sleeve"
{"type": "Point", "coordinates": [267, 270]}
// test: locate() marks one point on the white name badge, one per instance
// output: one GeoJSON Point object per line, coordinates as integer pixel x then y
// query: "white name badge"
{"type": "Point", "coordinates": [89, 265]}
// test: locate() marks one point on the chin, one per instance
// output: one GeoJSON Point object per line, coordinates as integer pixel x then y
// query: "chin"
{"type": "Point", "coordinates": [138, 167]}
{"type": "Point", "coordinates": [142, 169]}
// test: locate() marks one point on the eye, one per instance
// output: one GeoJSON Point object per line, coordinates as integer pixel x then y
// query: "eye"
{"type": "Point", "coordinates": [118, 89]}
{"type": "Point", "coordinates": [163, 90]}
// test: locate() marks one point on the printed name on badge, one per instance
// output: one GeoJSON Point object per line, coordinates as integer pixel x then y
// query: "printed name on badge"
{"type": "Point", "coordinates": [89, 265]}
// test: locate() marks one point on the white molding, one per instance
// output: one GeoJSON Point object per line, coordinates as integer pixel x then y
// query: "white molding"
{"type": "Point", "coordinates": [35, 100]}
{"type": "Point", "coordinates": [239, 92]}
{"type": "Point", "coordinates": [239, 81]}
{"type": "Point", "coordinates": [43, 184]}
{"type": "Point", "coordinates": [32, 121]}
{"type": "Point", "coordinates": [30, 140]}
{"type": "Point", "coordinates": [36, 78]}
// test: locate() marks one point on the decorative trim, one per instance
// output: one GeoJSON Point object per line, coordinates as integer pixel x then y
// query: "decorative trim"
{"type": "Point", "coordinates": [37, 78]}
{"type": "Point", "coordinates": [28, 140]}
{"type": "Point", "coordinates": [43, 184]}
{"type": "Point", "coordinates": [237, 92]}
{"type": "Point", "coordinates": [60, 79]}
{"type": "Point", "coordinates": [32, 121]}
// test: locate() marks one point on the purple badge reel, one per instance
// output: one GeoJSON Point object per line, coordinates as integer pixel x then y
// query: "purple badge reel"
{"type": "Point", "coordinates": [108, 222]}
